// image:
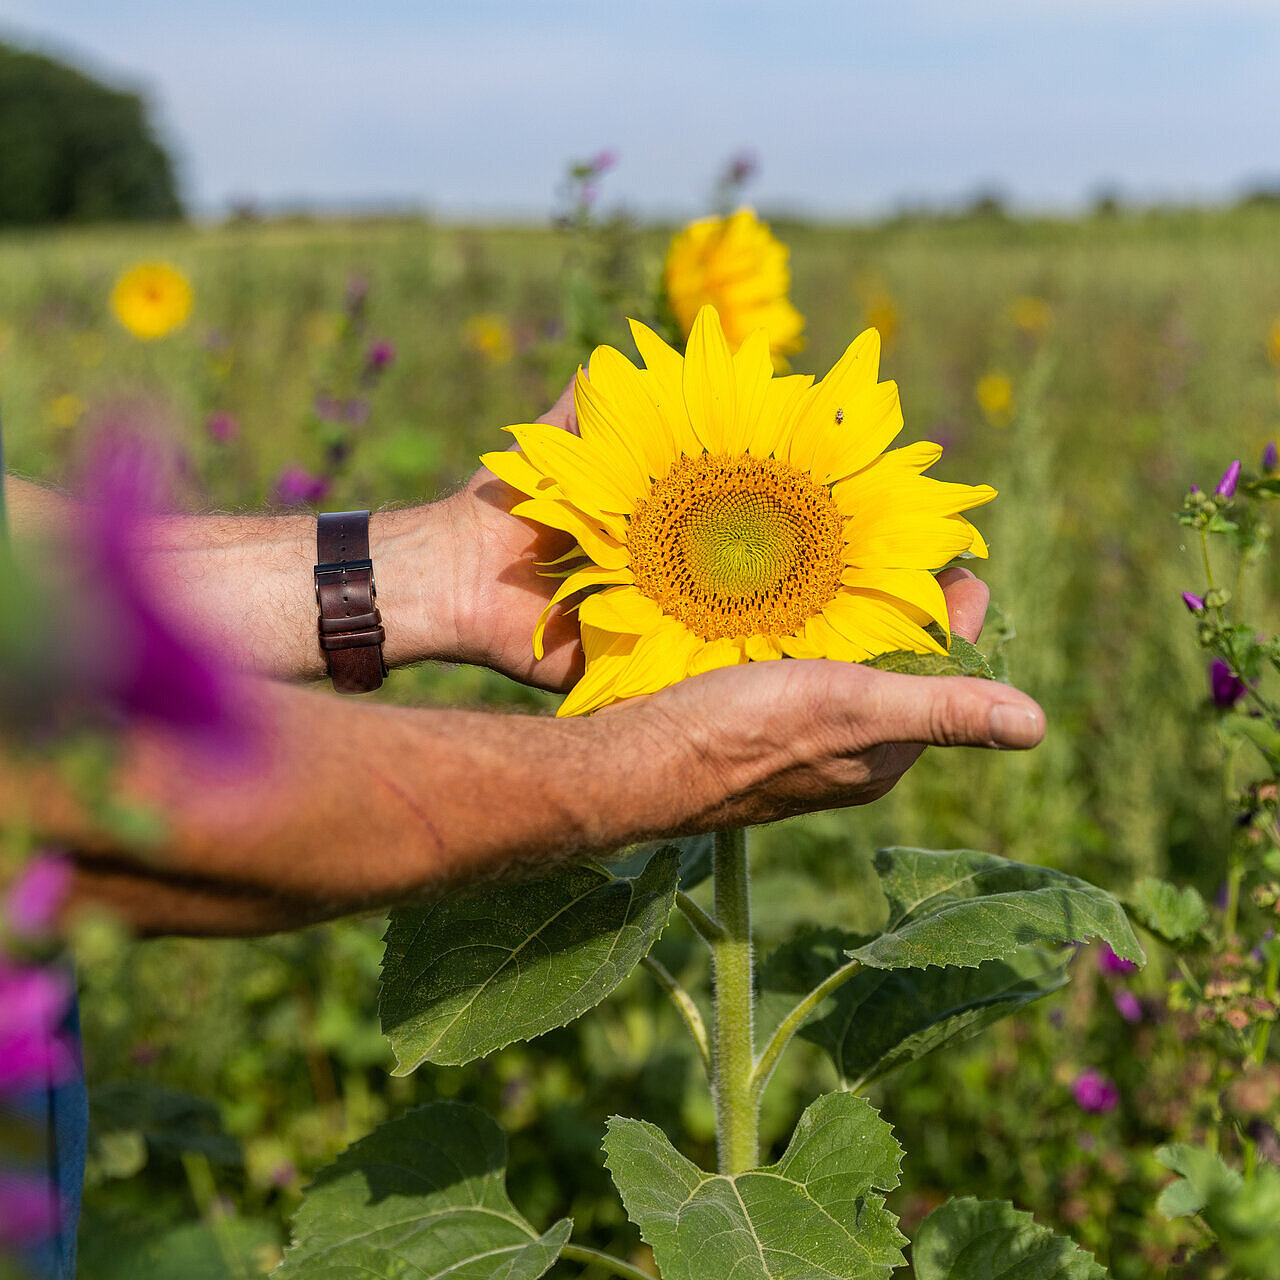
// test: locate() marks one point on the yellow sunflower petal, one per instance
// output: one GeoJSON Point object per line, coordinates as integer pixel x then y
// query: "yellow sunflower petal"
{"type": "Point", "coordinates": [753, 372]}
{"type": "Point", "coordinates": [710, 388]}
{"type": "Point", "coordinates": [587, 475]}
{"type": "Point", "coordinates": [763, 648]}
{"type": "Point", "coordinates": [916, 587]}
{"type": "Point", "coordinates": [831, 643]}
{"type": "Point", "coordinates": [658, 660]}
{"type": "Point", "coordinates": [715, 654]}
{"type": "Point", "coordinates": [800, 647]}
{"type": "Point", "coordinates": [978, 545]}
{"type": "Point", "coordinates": [782, 401]}
{"type": "Point", "coordinates": [874, 498]}
{"type": "Point", "coordinates": [606, 433]}
{"type": "Point", "coordinates": [607, 656]}
{"type": "Point", "coordinates": [877, 625]}
{"type": "Point", "coordinates": [513, 468]}
{"type": "Point", "coordinates": [872, 420]}
{"type": "Point", "coordinates": [664, 370]}
{"type": "Point", "coordinates": [622, 609]}
{"type": "Point", "coordinates": [625, 395]}
{"type": "Point", "coordinates": [595, 540]}
{"type": "Point", "coordinates": [592, 575]}
{"type": "Point", "coordinates": [925, 543]}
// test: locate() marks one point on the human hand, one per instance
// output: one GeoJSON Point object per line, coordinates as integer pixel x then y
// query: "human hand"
{"type": "Point", "coordinates": [767, 740]}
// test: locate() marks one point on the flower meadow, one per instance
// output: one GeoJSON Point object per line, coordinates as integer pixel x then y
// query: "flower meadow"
{"type": "Point", "coordinates": [1016, 1013]}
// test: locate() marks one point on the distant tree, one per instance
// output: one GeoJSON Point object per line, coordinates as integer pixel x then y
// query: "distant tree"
{"type": "Point", "coordinates": [75, 150]}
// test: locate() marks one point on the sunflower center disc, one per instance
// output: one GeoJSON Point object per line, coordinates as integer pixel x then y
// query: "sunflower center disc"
{"type": "Point", "coordinates": [737, 546]}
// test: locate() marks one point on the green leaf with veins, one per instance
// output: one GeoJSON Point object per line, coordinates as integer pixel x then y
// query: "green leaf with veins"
{"type": "Point", "coordinates": [818, 1214]}
{"type": "Point", "coordinates": [963, 659]}
{"type": "Point", "coordinates": [478, 969]}
{"type": "Point", "coordinates": [1176, 915]}
{"type": "Point", "coordinates": [884, 1018]}
{"type": "Point", "coordinates": [971, 1239]}
{"type": "Point", "coordinates": [961, 907]}
{"type": "Point", "coordinates": [422, 1197]}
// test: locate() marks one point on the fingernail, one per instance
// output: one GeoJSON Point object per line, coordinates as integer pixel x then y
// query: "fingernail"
{"type": "Point", "coordinates": [1013, 726]}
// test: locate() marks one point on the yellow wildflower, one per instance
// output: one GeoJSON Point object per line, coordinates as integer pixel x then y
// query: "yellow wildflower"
{"type": "Point", "coordinates": [994, 394]}
{"type": "Point", "coordinates": [489, 336]}
{"type": "Point", "coordinates": [152, 299]}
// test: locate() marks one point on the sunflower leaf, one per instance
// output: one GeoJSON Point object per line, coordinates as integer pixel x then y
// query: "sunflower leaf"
{"type": "Point", "coordinates": [963, 659]}
{"type": "Point", "coordinates": [969, 1239]}
{"type": "Point", "coordinates": [818, 1213]}
{"type": "Point", "coordinates": [423, 1195]}
{"type": "Point", "coordinates": [960, 907]}
{"type": "Point", "coordinates": [476, 970]}
{"type": "Point", "coordinates": [1178, 916]}
{"type": "Point", "coordinates": [695, 858]}
{"type": "Point", "coordinates": [884, 1018]}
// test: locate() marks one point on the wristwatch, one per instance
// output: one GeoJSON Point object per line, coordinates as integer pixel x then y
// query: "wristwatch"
{"type": "Point", "coordinates": [350, 626]}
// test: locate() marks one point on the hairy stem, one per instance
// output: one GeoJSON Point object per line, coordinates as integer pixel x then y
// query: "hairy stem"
{"type": "Point", "coordinates": [701, 923]}
{"type": "Point", "coordinates": [594, 1258]}
{"type": "Point", "coordinates": [684, 1003]}
{"type": "Point", "coordinates": [792, 1023]}
{"type": "Point", "coordinates": [733, 1055]}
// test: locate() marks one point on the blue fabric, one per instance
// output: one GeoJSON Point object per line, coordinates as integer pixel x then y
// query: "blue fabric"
{"type": "Point", "coordinates": [61, 1113]}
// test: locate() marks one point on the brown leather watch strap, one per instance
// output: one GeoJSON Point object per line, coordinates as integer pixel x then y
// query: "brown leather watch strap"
{"type": "Point", "coordinates": [350, 626]}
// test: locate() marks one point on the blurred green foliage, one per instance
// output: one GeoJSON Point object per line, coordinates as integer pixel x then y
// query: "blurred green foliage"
{"type": "Point", "coordinates": [1146, 368]}
{"type": "Point", "coordinates": [75, 150]}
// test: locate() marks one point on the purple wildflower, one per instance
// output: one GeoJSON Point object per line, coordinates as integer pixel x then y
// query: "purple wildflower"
{"type": "Point", "coordinates": [1227, 485]}
{"type": "Point", "coordinates": [33, 901]}
{"type": "Point", "coordinates": [603, 161]}
{"type": "Point", "coordinates": [1195, 488]}
{"type": "Point", "coordinates": [1226, 688]}
{"type": "Point", "coordinates": [222, 426]}
{"type": "Point", "coordinates": [327, 408]}
{"type": "Point", "coordinates": [1128, 1005]}
{"type": "Point", "coordinates": [1095, 1092]}
{"type": "Point", "coordinates": [32, 1003]}
{"type": "Point", "coordinates": [29, 1210]}
{"type": "Point", "coordinates": [295, 486]}
{"type": "Point", "coordinates": [356, 412]}
{"type": "Point", "coordinates": [144, 666]}
{"type": "Point", "coordinates": [1110, 963]}
{"type": "Point", "coordinates": [1271, 458]}
{"type": "Point", "coordinates": [1193, 602]}
{"type": "Point", "coordinates": [742, 167]}
{"type": "Point", "coordinates": [380, 355]}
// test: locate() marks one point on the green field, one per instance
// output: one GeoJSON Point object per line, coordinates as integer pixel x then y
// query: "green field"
{"type": "Point", "coordinates": [1152, 373]}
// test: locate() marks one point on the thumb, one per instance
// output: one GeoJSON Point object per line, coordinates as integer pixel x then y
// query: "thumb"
{"type": "Point", "coordinates": [562, 414]}
{"type": "Point", "coordinates": [950, 711]}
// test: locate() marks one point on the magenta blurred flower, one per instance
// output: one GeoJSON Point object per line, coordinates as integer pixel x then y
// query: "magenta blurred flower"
{"type": "Point", "coordinates": [1271, 458]}
{"type": "Point", "coordinates": [222, 426]}
{"type": "Point", "coordinates": [1225, 688]}
{"type": "Point", "coordinates": [380, 356]}
{"type": "Point", "coordinates": [1128, 1005]}
{"type": "Point", "coordinates": [1095, 1092]}
{"type": "Point", "coordinates": [604, 160]}
{"type": "Point", "coordinates": [327, 408]}
{"type": "Point", "coordinates": [295, 486]}
{"type": "Point", "coordinates": [33, 1001]}
{"type": "Point", "coordinates": [1109, 962]}
{"type": "Point", "coordinates": [146, 667]}
{"type": "Point", "coordinates": [356, 412]}
{"type": "Point", "coordinates": [29, 1210]}
{"type": "Point", "coordinates": [1230, 478]}
{"type": "Point", "coordinates": [32, 903]}
{"type": "Point", "coordinates": [1193, 602]}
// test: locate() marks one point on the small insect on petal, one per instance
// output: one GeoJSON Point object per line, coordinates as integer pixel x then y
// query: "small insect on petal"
{"type": "Point", "coordinates": [839, 416]}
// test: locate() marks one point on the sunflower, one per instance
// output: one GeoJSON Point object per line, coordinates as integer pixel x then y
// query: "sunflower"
{"type": "Point", "coordinates": [722, 515]}
{"type": "Point", "coordinates": [738, 266]}
{"type": "Point", "coordinates": [151, 299]}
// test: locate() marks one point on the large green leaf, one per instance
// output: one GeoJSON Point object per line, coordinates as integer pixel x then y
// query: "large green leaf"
{"type": "Point", "coordinates": [475, 970]}
{"type": "Point", "coordinates": [884, 1018]}
{"type": "Point", "coordinates": [991, 1240]}
{"type": "Point", "coordinates": [695, 858]}
{"type": "Point", "coordinates": [421, 1197]}
{"type": "Point", "coordinates": [960, 907]}
{"type": "Point", "coordinates": [818, 1214]}
{"type": "Point", "coordinates": [1176, 915]}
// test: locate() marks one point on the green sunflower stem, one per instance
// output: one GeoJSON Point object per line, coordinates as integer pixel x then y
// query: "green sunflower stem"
{"type": "Point", "coordinates": [732, 1050]}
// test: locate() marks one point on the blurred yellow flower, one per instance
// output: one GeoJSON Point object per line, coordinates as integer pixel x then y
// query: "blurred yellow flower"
{"type": "Point", "coordinates": [489, 336]}
{"type": "Point", "coordinates": [151, 299]}
{"type": "Point", "coordinates": [994, 394]}
{"type": "Point", "coordinates": [738, 266]}
{"type": "Point", "coordinates": [1273, 342]}
{"type": "Point", "coordinates": [65, 411]}
{"type": "Point", "coordinates": [1031, 315]}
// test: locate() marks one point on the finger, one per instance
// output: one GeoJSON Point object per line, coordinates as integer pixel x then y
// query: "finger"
{"type": "Point", "coordinates": [562, 414]}
{"type": "Point", "coordinates": [945, 711]}
{"type": "Point", "coordinates": [967, 600]}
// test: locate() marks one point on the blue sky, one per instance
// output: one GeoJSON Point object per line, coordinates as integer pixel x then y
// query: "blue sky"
{"type": "Point", "coordinates": [852, 108]}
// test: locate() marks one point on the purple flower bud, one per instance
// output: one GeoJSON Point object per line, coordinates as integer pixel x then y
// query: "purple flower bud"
{"type": "Point", "coordinates": [356, 412]}
{"type": "Point", "coordinates": [742, 167]}
{"type": "Point", "coordinates": [1193, 602]}
{"type": "Point", "coordinates": [29, 1210]}
{"type": "Point", "coordinates": [222, 426]}
{"type": "Point", "coordinates": [33, 901]}
{"type": "Point", "coordinates": [1225, 688]}
{"type": "Point", "coordinates": [1195, 488]}
{"type": "Point", "coordinates": [1129, 1006]}
{"type": "Point", "coordinates": [381, 354]}
{"type": "Point", "coordinates": [1095, 1092]}
{"type": "Point", "coordinates": [1110, 963]}
{"type": "Point", "coordinates": [604, 160]}
{"type": "Point", "coordinates": [1271, 458]}
{"type": "Point", "coordinates": [295, 486]}
{"type": "Point", "coordinates": [1227, 485]}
